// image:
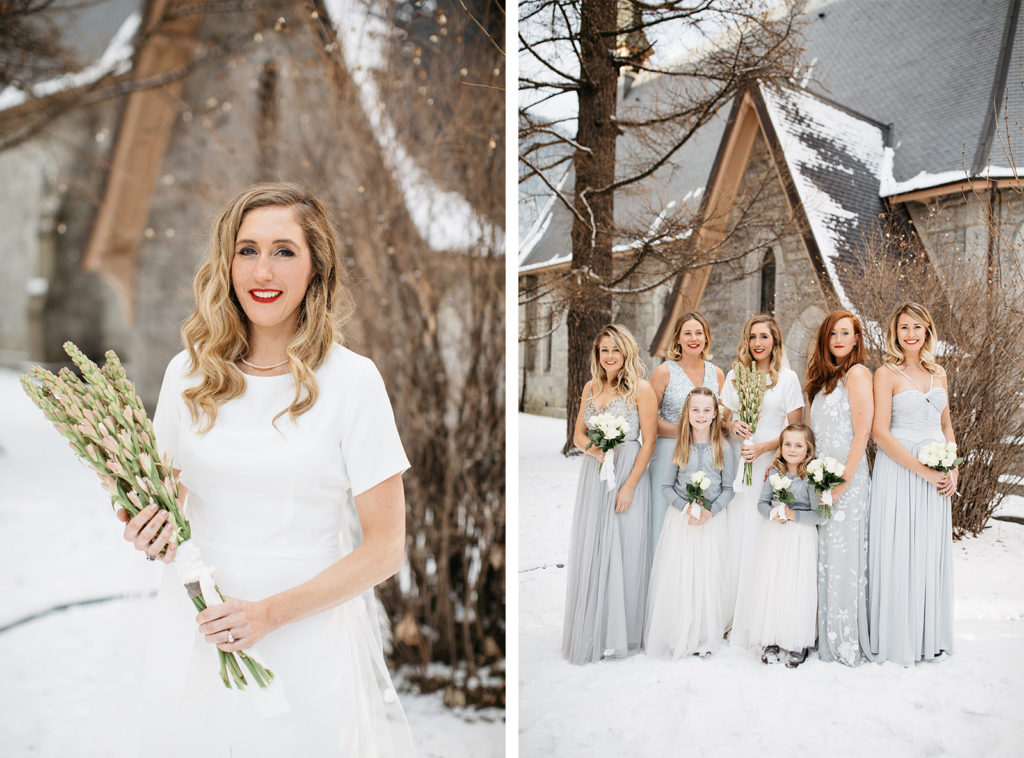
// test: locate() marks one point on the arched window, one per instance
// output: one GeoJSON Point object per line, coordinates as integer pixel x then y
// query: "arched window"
{"type": "Point", "coordinates": [768, 282]}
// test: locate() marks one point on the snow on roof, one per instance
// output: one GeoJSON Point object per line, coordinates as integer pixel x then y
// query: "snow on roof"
{"type": "Point", "coordinates": [116, 59]}
{"type": "Point", "coordinates": [835, 158]}
{"type": "Point", "coordinates": [543, 221]}
{"type": "Point", "coordinates": [445, 219]}
{"type": "Point", "coordinates": [925, 180]}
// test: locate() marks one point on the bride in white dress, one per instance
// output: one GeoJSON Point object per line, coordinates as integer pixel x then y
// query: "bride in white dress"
{"type": "Point", "coordinates": [287, 450]}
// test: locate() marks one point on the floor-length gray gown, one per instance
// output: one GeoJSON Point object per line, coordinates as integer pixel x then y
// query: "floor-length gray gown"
{"type": "Point", "coordinates": [609, 554]}
{"type": "Point", "coordinates": [910, 542]}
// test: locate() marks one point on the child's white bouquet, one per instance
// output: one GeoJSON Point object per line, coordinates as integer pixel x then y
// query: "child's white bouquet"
{"type": "Point", "coordinates": [825, 473]}
{"type": "Point", "coordinates": [781, 495]}
{"type": "Point", "coordinates": [695, 488]}
{"type": "Point", "coordinates": [606, 431]}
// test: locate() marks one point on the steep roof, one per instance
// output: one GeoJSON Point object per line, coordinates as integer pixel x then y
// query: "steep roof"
{"type": "Point", "coordinates": [835, 159]}
{"type": "Point", "coordinates": [931, 72]}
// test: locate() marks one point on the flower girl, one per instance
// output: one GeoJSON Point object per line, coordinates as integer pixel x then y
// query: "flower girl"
{"type": "Point", "coordinates": [785, 584]}
{"type": "Point", "coordinates": [686, 611]}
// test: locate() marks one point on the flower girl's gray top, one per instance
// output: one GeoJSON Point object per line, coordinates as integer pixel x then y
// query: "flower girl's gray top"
{"type": "Point", "coordinates": [805, 500]}
{"type": "Point", "coordinates": [679, 386]}
{"type": "Point", "coordinates": [702, 458]}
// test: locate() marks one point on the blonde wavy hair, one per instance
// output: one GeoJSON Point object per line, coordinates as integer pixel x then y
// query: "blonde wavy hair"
{"type": "Point", "coordinates": [217, 334]}
{"type": "Point", "coordinates": [633, 370]}
{"type": "Point", "coordinates": [743, 348]}
{"type": "Point", "coordinates": [894, 353]}
{"type": "Point", "coordinates": [675, 351]}
{"type": "Point", "coordinates": [684, 438]}
{"type": "Point", "coordinates": [779, 464]}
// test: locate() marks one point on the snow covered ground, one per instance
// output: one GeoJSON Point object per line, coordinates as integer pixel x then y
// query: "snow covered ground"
{"type": "Point", "coordinates": [732, 705]}
{"type": "Point", "coordinates": [69, 680]}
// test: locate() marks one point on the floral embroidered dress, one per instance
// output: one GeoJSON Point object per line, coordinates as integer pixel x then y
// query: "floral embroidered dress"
{"type": "Point", "coordinates": [843, 539]}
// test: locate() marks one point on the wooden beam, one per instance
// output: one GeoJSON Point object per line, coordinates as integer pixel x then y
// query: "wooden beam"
{"type": "Point", "coordinates": [956, 188]}
{"type": "Point", "coordinates": [140, 145]}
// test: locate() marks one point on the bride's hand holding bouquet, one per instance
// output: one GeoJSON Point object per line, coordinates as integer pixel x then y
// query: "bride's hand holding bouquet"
{"type": "Point", "coordinates": [106, 426]}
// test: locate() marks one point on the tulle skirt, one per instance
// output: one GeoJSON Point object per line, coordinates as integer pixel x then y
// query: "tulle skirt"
{"type": "Point", "coordinates": [686, 602]}
{"type": "Point", "coordinates": [609, 564]}
{"type": "Point", "coordinates": [910, 564]}
{"type": "Point", "coordinates": [784, 591]}
{"type": "Point", "coordinates": [332, 694]}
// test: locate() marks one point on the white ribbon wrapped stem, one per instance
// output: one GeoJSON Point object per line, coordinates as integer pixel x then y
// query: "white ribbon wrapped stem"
{"type": "Point", "coordinates": [695, 509]}
{"type": "Point", "coordinates": [608, 470]}
{"type": "Point", "coordinates": [826, 497]}
{"type": "Point", "coordinates": [189, 566]}
{"type": "Point", "coordinates": [779, 510]}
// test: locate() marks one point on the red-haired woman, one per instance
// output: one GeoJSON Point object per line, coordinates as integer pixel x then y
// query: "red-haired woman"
{"type": "Point", "coordinates": [838, 393]}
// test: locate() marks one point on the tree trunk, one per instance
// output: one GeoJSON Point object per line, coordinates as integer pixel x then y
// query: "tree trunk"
{"type": "Point", "coordinates": [589, 308]}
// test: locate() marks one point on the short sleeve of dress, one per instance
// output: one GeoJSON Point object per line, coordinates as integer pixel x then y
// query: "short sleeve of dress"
{"type": "Point", "coordinates": [791, 391]}
{"type": "Point", "coordinates": [729, 397]}
{"type": "Point", "coordinates": [370, 445]}
{"type": "Point", "coordinates": [169, 407]}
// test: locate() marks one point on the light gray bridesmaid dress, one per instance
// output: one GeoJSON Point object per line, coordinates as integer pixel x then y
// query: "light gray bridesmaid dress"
{"type": "Point", "coordinates": [670, 410]}
{"type": "Point", "coordinates": [843, 539]}
{"type": "Point", "coordinates": [609, 554]}
{"type": "Point", "coordinates": [910, 541]}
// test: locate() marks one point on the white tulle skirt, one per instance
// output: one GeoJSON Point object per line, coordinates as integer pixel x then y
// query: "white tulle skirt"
{"type": "Point", "coordinates": [332, 695]}
{"type": "Point", "coordinates": [686, 611]}
{"type": "Point", "coordinates": [783, 601]}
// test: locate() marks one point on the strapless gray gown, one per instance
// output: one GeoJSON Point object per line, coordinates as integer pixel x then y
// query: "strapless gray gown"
{"type": "Point", "coordinates": [609, 554]}
{"type": "Point", "coordinates": [910, 543]}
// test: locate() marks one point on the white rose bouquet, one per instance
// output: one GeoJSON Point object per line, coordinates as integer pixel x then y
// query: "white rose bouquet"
{"type": "Point", "coordinates": [695, 489]}
{"type": "Point", "coordinates": [940, 456]}
{"type": "Point", "coordinates": [751, 385]}
{"type": "Point", "coordinates": [825, 473]}
{"type": "Point", "coordinates": [106, 425]}
{"type": "Point", "coordinates": [781, 495]}
{"type": "Point", "coordinates": [606, 432]}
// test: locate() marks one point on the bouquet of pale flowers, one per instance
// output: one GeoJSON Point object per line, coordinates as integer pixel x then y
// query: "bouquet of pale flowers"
{"type": "Point", "coordinates": [781, 495]}
{"type": "Point", "coordinates": [825, 473]}
{"type": "Point", "coordinates": [106, 425]}
{"type": "Point", "coordinates": [940, 456]}
{"type": "Point", "coordinates": [606, 431]}
{"type": "Point", "coordinates": [695, 488]}
{"type": "Point", "coordinates": [751, 385]}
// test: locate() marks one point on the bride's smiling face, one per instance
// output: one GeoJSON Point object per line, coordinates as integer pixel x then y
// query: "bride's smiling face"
{"type": "Point", "coordinates": [272, 267]}
{"type": "Point", "coordinates": [761, 343]}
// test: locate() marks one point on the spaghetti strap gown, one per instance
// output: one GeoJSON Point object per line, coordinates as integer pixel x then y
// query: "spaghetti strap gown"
{"type": "Point", "coordinates": [910, 542]}
{"type": "Point", "coordinates": [843, 539]}
{"type": "Point", "coordinates": [609, 554]}
{"type": "Point", "coordinates": [671, 408]}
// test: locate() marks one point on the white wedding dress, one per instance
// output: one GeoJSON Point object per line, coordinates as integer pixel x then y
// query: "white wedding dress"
{"type": "Point", "coordinates": [270, 508]}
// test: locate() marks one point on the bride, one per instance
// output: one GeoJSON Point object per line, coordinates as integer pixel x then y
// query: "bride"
{"type": "Point", "coordinates": [286, 447]}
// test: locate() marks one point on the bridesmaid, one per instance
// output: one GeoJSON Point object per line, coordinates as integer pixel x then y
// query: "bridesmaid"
{"type": "Point", "coordinates": [760, 345]}
{"type": "Point", "coordinates": [610, 542]}
{"type": "Point", "coordinates": [839, 390]}
{"type": "Point", "coordinates": [910, 532]}
{"type": "Point", "coordinates": [687, 365]}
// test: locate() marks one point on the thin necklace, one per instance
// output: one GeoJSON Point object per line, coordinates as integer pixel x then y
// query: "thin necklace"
{"type": "Point", "coordinates": [264, 368]}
